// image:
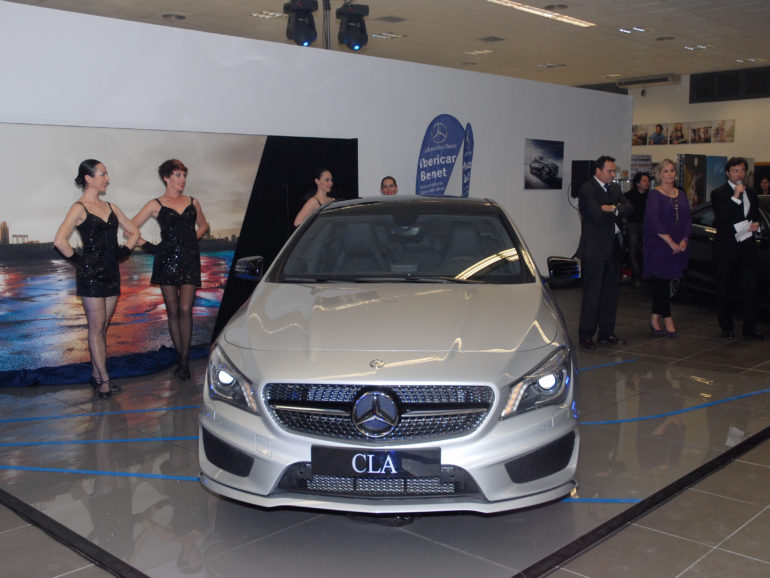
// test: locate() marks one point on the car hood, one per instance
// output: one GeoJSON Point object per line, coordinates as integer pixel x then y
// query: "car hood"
{"type": "Point", "coordinates": [395, 317]}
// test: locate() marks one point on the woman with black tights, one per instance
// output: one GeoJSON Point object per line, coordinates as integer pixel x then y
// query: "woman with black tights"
{"type": "Point", "coordinates": [177, 265]}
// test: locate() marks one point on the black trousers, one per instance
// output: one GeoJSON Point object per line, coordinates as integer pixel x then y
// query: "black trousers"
{"type": "Point", "coordinates": [736, 262]}
{"type": "Point", "coordinates": [601, 290]}
{"type": "Point", "coordinates": [661, 301]}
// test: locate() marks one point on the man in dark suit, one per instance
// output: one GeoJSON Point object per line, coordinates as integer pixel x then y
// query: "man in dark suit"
{"type": "Point", "coordinates": [736, 212]}
{"type": "Point", "coordinates": [602, 206]}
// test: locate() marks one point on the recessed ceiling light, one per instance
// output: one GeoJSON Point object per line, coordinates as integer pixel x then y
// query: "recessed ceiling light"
{"type": "Point", "coordinates": [550, 65]}
{"type": "Point", "coordinates": [174, 17]}
{"type": "Point", "coordinates": [613, 75]}
{"type": "Point", "coordinates": [386, 35]}
{"type": "Point", "coordinates": [662, 38]}
{"type": "Point", "coordinates": [267, 15]}
{"type": "Point", "coordinates": [479, 52]}
{"type": "Point", "coordinates": [545, 13]}
{"type": "Point", "coordinates": [699, 47]}
{"type": "Point", "coordinates": [626, 31]}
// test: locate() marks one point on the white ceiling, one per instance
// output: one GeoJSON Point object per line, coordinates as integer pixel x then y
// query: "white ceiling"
{"type": "Point", "coordinates": [442, 32]}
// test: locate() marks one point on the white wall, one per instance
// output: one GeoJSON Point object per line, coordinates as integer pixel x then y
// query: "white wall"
{"type": "Point", "coordinates": [64, 68]}
{"type": "Point", "coordinates": [663, 104]}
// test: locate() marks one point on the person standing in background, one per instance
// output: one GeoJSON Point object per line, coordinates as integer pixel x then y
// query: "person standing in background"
{"type": "Point", "coordinates": [637, 196]}
{"type": "Point", "coordinates": [736, 212]}
{"type": "Point", "coordinates": [323, 183]}
{"type": "Point", "coordinates": [388, 186]}
{"type": "Point", "coordinates": [97, 270]}
{"type": "Point", "coordinates": [602, 206]}
{"type": "Point", "coordinates": [666, 237]}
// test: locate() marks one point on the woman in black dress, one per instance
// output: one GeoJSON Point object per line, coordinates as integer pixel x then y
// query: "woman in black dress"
{"type": "Point", "coordinates": [98, 274]}
{"type": "Point", "coordinates": [177, 266]}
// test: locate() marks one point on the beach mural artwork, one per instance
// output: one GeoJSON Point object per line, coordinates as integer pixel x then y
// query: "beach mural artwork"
{"type": "Point", "coordinates": [42, 323]}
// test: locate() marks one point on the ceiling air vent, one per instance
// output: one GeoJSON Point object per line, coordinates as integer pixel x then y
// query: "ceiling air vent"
{"type": "Point", "coordinates": [656, 80]}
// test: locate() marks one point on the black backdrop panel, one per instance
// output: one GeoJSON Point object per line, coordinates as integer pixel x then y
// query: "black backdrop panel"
{"type": "Point", "coordinates": [285, 180]}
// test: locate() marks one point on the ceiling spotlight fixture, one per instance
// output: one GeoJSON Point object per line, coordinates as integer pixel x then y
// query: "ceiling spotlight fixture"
{"type": "Point", "coordinates": [352, 26]}
{"type": "Point", "coordinates": [543, 12]}
{"type": "Point", "coordinates": [480, 52]}
{"type": "Point", "coordinates": [301, 27]}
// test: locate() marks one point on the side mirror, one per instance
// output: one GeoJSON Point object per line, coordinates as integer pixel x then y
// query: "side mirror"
{"type": "Point", "coordinates": [249, 268]}
{"type": "Point", "coordinates": [563, 270]}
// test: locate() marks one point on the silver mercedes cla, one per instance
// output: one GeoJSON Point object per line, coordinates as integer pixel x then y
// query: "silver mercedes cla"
{"type": "Point", "coordinates": [400, 355]}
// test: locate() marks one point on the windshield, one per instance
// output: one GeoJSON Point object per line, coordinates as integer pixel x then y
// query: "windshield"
{"type": "Point", "coordinates": [407, 246]}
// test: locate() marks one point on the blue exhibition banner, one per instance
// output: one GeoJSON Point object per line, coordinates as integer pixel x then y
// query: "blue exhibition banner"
{"type": "Point", "coordinates": [440, 148]}
{"type": "Point", "coordinates": [467, 159]}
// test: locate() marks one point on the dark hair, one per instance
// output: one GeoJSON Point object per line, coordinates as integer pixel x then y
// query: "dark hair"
{"type": "Point", "coordinates": [638, 177]}
{"type": "Point", "coordinates": [601, 161]}
{"type": "Point", "coordinates": [734, 162]}
{"type": "Point", "coordinates": [318, 172]}
{"type": "Point", "coordinates": [87, 167]}
{"type": "Point", "coordinates": [382, 182]}
{"type": "Point", "coordinates": [659, 125]}
{"type": "Point", "coordinates": [167, 168]}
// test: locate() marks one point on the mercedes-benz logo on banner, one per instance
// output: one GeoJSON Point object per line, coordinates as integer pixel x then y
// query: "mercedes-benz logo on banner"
{"type": "Point", "coordinates": [375, 414]}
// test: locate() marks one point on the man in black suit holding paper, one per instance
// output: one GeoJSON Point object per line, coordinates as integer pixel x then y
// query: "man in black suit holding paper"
{"type": "Point", "coordinates": [602, 206]}
{"type": "Point", "coordinates": [736, 212]}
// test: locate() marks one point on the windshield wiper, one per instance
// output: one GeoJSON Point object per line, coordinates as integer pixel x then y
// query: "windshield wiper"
{"type": "Point", "coordinates": [438, 279]}
{"type": "Point", "coordinates": [308, 279]}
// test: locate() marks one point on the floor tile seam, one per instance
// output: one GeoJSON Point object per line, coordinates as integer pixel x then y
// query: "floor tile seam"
{"type": "Point", "coordinates": [695, 488]}
{"type": "Point", "coordinates": [617, 523]}
{"type": "Point", "coordinates": [742, 526]}
{"type": "Point", "coordinates": [640, 524]}
{"type": "Point", "coordinates": [458, 550]}
{"type": "Point", "coordinates": [265, 536]}
{"type": "Point", "coordinates": [15, 528]}
{"type": "Point", "coordinates": [698, 561]}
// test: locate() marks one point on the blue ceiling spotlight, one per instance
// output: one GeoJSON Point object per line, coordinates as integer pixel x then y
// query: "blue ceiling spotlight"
{"type": "Point", "coordinates": [301, 27]}
{"type": "Point", "coordinates": [352, 26]}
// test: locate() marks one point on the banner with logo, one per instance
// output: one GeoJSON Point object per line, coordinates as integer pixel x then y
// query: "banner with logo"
{"type": "Point", "coordinates": [444, 141]}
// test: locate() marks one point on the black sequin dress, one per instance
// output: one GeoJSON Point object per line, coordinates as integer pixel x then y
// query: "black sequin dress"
{"type": "Point", "coordinates": [178, 259]}
{"type": "Point", "coordinates": [98, 273]}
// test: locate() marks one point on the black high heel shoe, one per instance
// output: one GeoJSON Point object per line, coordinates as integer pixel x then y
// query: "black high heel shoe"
{"type": "Point", "coordinates": [657, 332]}
{"type": "Point", "coordinates": [105, 394]}
{"type": "Point", "coordinates": [95, 382]}
{"type": "Point", "coordinates": [183, 372]}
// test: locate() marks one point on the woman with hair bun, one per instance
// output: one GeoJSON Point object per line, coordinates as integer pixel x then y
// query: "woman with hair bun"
{"type": "Point", "coordinates": [177, 265]}
{"type": "Point", "coordinates": [97, 270]}
{"type": "Point", "coordinates": [323, 183]}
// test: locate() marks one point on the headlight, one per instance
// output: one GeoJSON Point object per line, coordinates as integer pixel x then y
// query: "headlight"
{"type": "Point", "coordinates": [228, 384]}
{"type": "Point", "coordinates": [547, 384]}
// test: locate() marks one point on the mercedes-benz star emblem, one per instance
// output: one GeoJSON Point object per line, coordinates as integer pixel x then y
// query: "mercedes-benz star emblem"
{"type": "Point", "coordinates": [439, 133]}
{"type": "Point", "coordinates": [375, 414]}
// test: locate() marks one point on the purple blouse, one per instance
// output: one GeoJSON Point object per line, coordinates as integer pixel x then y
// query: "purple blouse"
{"type": "Point", "coordinates": [664, 215]}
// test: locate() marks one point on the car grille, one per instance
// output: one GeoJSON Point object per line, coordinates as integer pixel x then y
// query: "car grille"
{"type": "Point", "coordinates": [425, 411]}
{"type": "Point", "coordinates": [452, 482]}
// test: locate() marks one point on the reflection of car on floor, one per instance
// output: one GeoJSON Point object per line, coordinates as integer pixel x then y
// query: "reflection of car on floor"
{"type": "Point", "coordinates": [700, 275]}
{"type": "Point", "coordinates": [399, 355]}
{"type": "Point", "coordinates": [543, 169]}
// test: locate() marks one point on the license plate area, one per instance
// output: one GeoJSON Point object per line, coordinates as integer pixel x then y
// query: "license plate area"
{"type": "Point", "coordinates": [372, 463]}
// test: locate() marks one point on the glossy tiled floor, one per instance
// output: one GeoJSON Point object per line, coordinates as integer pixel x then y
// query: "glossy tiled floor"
{"type": "Point", "coordinates": [118, 477]}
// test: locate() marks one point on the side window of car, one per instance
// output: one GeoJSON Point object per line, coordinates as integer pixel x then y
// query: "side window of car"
{"type": "Point", "coordinates": [704, 217]}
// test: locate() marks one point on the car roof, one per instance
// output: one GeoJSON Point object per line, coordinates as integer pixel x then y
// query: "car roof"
{"type": "Point", "coordinates": [386, 204]}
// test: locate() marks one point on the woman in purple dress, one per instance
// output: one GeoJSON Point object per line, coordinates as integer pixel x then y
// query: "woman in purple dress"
{"type": "Point", "coordinates": [666, 232]}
